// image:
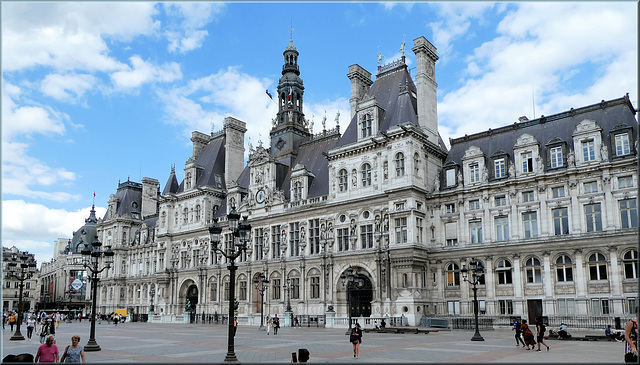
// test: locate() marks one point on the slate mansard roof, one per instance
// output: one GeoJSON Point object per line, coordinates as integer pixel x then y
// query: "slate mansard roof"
{"type": "Point", "coordinates": [608, 115]}
{"type": "Point", "coordinates": [129, 196]}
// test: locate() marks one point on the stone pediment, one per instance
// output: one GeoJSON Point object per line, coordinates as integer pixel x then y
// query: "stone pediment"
{"type": "Point", "coordinates": [586, 126]}
{"type": "Point", "coordinates": [525, 140]}
{"type": "Point", "coordinates": [473, 152]}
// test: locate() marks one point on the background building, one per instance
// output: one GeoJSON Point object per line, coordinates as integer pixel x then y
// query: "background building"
{"type": "Point", "coordinates": [548, 206]}
{"type": "Point", "coordinates": [11, 285]}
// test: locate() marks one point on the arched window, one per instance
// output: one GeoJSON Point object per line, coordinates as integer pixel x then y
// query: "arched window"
{"type": "Point", "coordinates": [630, 262]}
{"type": "Point", "coordinates": [533, 270]}
{"type": "Point", "coordinates": [405, 280]}
{"type": "Point", "coordinates": [564, 269]}
{"type": "Point", "coordinates": [297, 191]}
{"type": "Point", "coordinates": [597, 267]}
{"type": "Point", "coordinates": [343, 180]}
{"type": "Point", "coordinates": [365, 127]}
{"type": "Point", "coordinates": [399, 164]}
{"type": "Point", "coordinates": [453, 275]}
{"type": "Point", "coordinates": [503, 270]}
{"type": "Point", "coordinates": [366, 175]}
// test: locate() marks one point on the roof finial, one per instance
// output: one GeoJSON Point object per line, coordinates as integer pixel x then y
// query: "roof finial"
{"type": "Point", "coordinates": [402, 45]}
{"type": "Point", "coordinates": [291, 36]}
{"type": "Point", "coordinates": [380, 56]}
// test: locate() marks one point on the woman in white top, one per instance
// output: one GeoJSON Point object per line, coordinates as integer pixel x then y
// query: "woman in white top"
{"type": "Point", "coordinates": [268, 324]}
{"type": "Point", "coordinates": [31, 326]}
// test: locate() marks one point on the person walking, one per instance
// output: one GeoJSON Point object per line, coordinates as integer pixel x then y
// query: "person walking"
{"type": "Point", "coordinates": [356, 339]}
{"type": "Point", "coordinates": [296, 322]}
{"type": "Point", "coordinates": [47, 352]}
{"type": "Point", "coordinates": [268, 325]}
{"type": "Point", "coordinates": [12, 320]}
{"type": "Point", "coordinates": [57, 319]}
{"type": "Point", "coordinates": [44, 331]}
{"type": "Point", "coordinates": [527, 335]}
{"type": "Point", "coordinates": [631, 337]}
{"type": "Point", "coordinates": [73, 353]}
{"type": "Point", "coordinates": [31, 326]}
{"type": "Point", "coordinates": [276, 324]}
{"type": "Point", "coordinates": [518, 328]}
{"type": "Point", "coordinates": [235, 326]}
{"type": "Point", "coordinates": [116, 319]}
{"type": "Point", "coordinates": [541, 330]}
{"type": "Point", "coordinates": [52, 328]}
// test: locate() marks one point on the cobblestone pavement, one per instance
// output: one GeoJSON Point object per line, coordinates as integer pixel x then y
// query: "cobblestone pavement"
{"type": "Point", "coordinates": [201, 343]}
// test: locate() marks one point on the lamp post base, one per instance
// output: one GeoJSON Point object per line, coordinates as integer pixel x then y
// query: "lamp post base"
{"type": "Point", "coordinates": [17, 337]}
{"type": "Point", "coordinates": [477, 337]}
{"type": "Point", "coordinates": [92, 345]}
{"type": "Point", "coordinates": [231, 358]}
{"type": "Point", "coordinates": [262, 328]}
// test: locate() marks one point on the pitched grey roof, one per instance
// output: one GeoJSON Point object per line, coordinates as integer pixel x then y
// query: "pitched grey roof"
{"type": "Point", "coordinates": [558, 127]}
{"type": "Point", "coordinates": [399, 106]}
{"type": "Point", "coordinates": [172, 183]}
{"type": "Point", "coordinates": [129, 195]}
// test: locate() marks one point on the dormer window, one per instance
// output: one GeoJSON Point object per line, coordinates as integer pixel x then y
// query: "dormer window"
{"type": "Point", "coordinates": [366, 175]}
{"type": "Point", "coordinates": [474, 172]}
{"type": "Point", "coordinates": [527, 162]}
{"type": "Point", "coordinates": [451, 177]}
{"type": "Point", "coordinates": [343, 180]}
{"type": "Point", "coordinates": [399, 164]}
{"type": "Point", "coordinates": [556, 157]}
{"type": "Point", "coordinates": [622, 144]}
{"type": "Point", "coordinates": [588, 150]}
{"type": "Point", "coordinates": [365, 126]}
{"type": "Point", "coordinates": [297, 191]}
{"type": "Point", "coordinates": [187, 180]}
{"type": "Point", "coordinates": [499, 168]}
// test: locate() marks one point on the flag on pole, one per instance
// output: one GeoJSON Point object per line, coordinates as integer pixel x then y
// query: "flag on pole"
{"type": "Point", "coordinates": [290, 91]}
{"type": "Point", "coordinates": [269, 94]}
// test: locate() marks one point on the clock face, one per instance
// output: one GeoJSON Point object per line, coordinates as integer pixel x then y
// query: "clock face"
{"type": "Point", "coordinates": [260, 196]}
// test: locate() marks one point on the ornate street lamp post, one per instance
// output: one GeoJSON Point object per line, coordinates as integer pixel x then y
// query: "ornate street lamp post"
{"type": "Point", "coordinates": [261, 286]}
{"type": "Point", "coordinates": [240, 232]}
{"type": "Point", "coordinates": [91, 258]}
{"type": "Point", "coordinates": [349, 281]}
{"type": "Point", "coordinates": [22, 270]}
{"type": "Point", "coordinates": [477, 270]}
{"type": "Point", "coordinates": [287, 288]}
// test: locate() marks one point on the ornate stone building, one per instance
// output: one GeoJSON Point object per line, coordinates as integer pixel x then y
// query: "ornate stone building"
{"type": "Point", "coordinates": [548, 206]}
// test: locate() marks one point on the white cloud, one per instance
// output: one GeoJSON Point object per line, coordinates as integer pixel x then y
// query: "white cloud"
{"type": "Point", "coordinates": [546, 47]}
{"type": "Point", "coordinates": [186, 42]}
{"type": "Point", "coordinates": [143, 72]}
{"type": "Point", "coordinates": [187, 35]}
{"type": "Point", "coordinates": [34, 227]}
{"type": "Point", "coordinates": [68, 87]}
{"type": "Point", "coordinates": [70, 36]}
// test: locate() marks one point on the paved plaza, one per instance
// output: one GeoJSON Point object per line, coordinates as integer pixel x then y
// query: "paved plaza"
{"type": "Point", "coordinates": [201, 343]}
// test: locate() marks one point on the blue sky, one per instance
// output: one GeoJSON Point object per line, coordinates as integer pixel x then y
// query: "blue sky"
{"type": "Point", "coordinates": [95, 93]}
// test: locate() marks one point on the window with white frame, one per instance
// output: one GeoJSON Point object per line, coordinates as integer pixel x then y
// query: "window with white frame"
{"type": "Point", "coordinates": [527, 162]}
{"type": "Point", "coordinates": [566, 306]}
{"type": "Point", "coordinates": [343, 180]}
{"type": "Point", "coordinates": [530, 221]}
{"type": "Point", "coordinates": [453, 275]}
{"type": "Point", "coordinates": [366, 235]}
{"type": "Point", "coordinates": [366, 175]}
{"type": "Point", "coordinates": [275, 289]}
{"type": "Point", "coordinates": [450, 208]}
{"type": "Point", "coordinates": [533, 270]}
{"type": "Point", "coordinates": [527, 196]}
{"type": "Point", "coordinates": [453, 307]}
{"type": "Point", "coordinates": [297, 191]}
{"type": "Point", "coordinates": [294, 239]}
{"type": "Point", "coordinates": [401, 230]}
{"type": "Point", "coordinates": [503, 271]}
{"type": "Point", "coordinates": [474, 172]}
{"type": "Point", "coordinates": [502, 228]}
{"type": "Point", "coordinates": [275, 242]}
{"type": "Point", "coordinates": [499, 170]}
{"type": "Point", "coordinates": [399, 164]}
{"type": "Point", "coordinates": [631, 305]}
{"type": "Point", "coordinates": [599, 306]}
{"type": "Point", "coordinates": [451, 233]}
{"type": "Point", "coordinates": [597, 267]}
{"type": "Point", "coordinates": [630, 263]}
{"type": "Point", "coordinates": [560, 221]}
{"type": "Point", "coordinates": [501, 200]}
{"type": "Point", "coordinates": [625, 182]}
{"type": "Point", "coordinates": [314, 236]}
{"type": "Point", "coordinates": [590, 187]}
{"type": "Point", "coordinates": [343, 239]}
{"type": "Point", "coordinates": [557, 192]}
{"type": "Point", "coordinates": [622, 144]}
{"type": "Point", "coordinates": [588, 150]}
{"type": "Point", "coordinates": [475, 231]}
{"type": "Point", "coordinates": [474, 204]}
{"type": "Point", "coordinates": [593, 217]}
{"type": "Point", "coordinates": [628, 213]}
{"type": "Point", "coordinates": [505, 306]}
{"type": "Point", "coordinates": [564, 269]}
{"type": "Point", "coordinates": [451, 177]}
{"type": "Point", "coordinates": [556, 157]}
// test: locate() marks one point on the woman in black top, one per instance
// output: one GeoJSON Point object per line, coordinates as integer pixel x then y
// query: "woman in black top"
{"type": "Point", "coordinates": [356, 339]}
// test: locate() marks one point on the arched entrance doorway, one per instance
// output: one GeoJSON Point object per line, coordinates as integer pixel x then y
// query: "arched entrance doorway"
{"type": "Point", "coordinates": [192, 301]}
{"type": "Point", "coordinates": [360, 295]}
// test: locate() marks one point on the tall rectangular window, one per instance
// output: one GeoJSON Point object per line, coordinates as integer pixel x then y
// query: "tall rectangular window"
{"type": "Point", "coordinates": [561, 221]}
{"type": "Point", "coordinates": [258, 243]}
{"type": "Point", "coordinates": [451, 177]}
{"type": "Point", "coordinates": [527, 162]}
{"type": "Point", "coordinates": [527, 196]}
{"type": "Point", "coordinates": [474, 173]}
{"type": "Point", "coordinates": [506, 306]}
{"type": "Point", "coordinates": [530, 224]}
{"type": "Point", "coordinates": [343, 239]}
{"type": "Point", "coordinates": [243, 290]}
{"type": "Point", "coordinates": [628, 213]}
{"type": "Point", "coordinates": [450, 208]}
{"type": "Point", "coordinates": [294, 239]}
{"type": "Point", "coordinates": [315, 287]}
{"type": "Point", "coordinates": [475, 229]}
{"type": "Point", "coordinates": [401, 230]}
{"type": "Point", "coordinates": [295, 288]}
{"type": "Point", "coordinates": [590, 187]}
{"type": "Point", "coordinates": [588, 151]}
{"type": "Point", "coordinates": [502, 228]}
{"type": "Point", "coordinates": [499, 169]}
{"type": "Point", "coordinates": [314, 236]}
{"type": "Point", "coordinates": [625, 182]}
{"type": "Point", "coordinates": [276, 289]}
{"type": "Point", "coordinates": [451, 233]}
{"type": "Point", "coordinates": [501, 200]}
{"type": "Point", "coordinates": [558, 192]}
{"type": "Point", "coordinates": [593, 216]}
{"type": "Point", "coordinates": [566, 306]}
{"type": "Point", "coordinates": [556, 157]}
{"type": "Point", "coordinates": [275, 242]}
{"type": "Point", "coordinates": [366, 126]}
{"type": "Point", "coordinates": [474, 204]}
{"type": "Point", "coordinates": [366, 235]}
{"type": "Point", "coordinates": [622, 145]}
{"type": "Point", "coordinates": [419, 229]}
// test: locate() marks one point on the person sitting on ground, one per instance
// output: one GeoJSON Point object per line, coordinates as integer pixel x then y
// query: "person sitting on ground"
{"type": "Point", "coordinates": [562, 332]}
{"type": "Point", "coordinates": [375, 325]}
{"type": "Point", "coordinates": [613, 334]}
{"type": "Point", "coordinates": [383, 324]}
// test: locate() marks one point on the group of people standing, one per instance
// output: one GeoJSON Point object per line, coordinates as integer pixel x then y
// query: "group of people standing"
{"type": "Point", "coordinates": [525, 336]}
{"type": "Point", "coordinates": [273, 322]}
